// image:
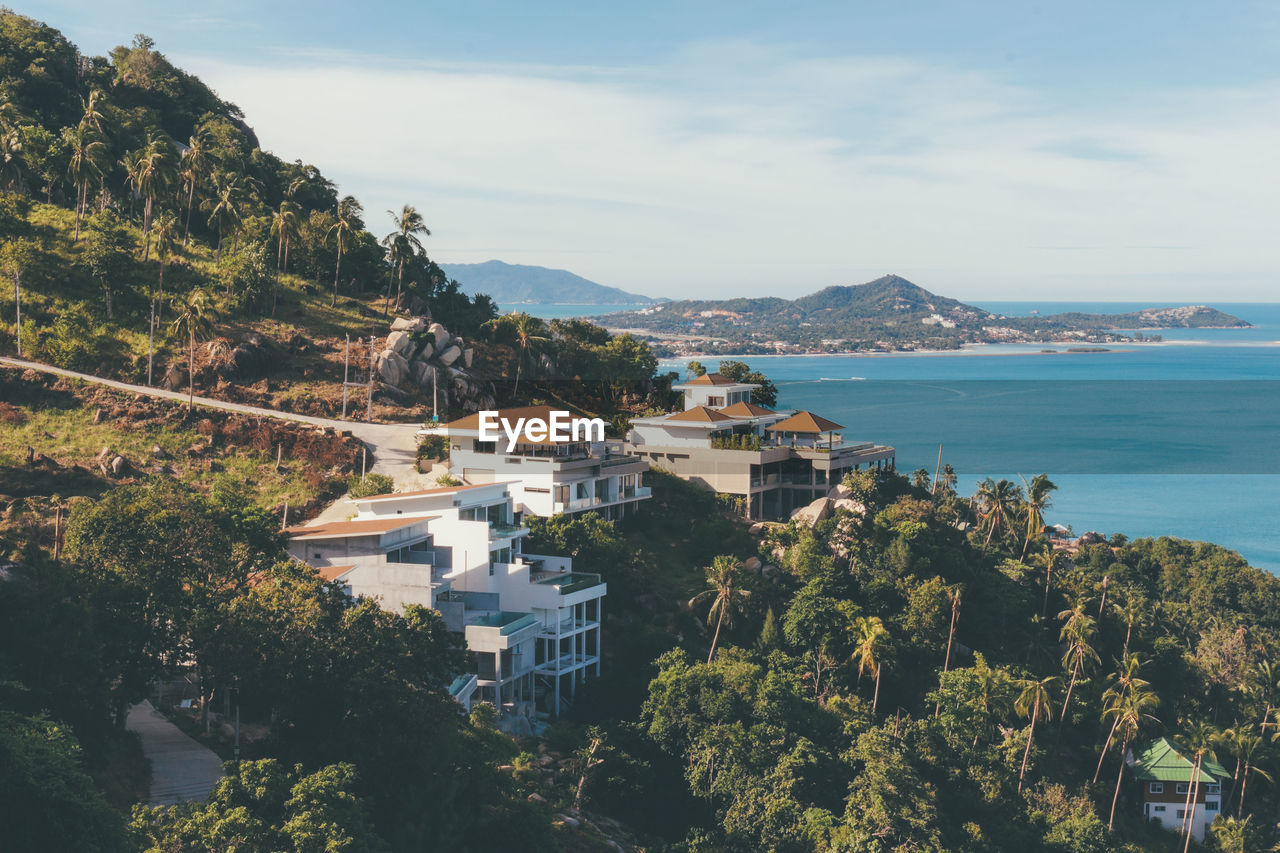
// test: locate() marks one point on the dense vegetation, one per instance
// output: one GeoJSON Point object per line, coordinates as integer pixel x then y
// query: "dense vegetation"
{"type": "Point", "coordinates": [146, 234]}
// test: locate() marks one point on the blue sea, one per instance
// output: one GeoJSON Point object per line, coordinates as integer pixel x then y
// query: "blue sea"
{"type": "Point", "coordinates": [1178, 438]}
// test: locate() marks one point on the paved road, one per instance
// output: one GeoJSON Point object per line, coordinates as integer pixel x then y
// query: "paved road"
{"type": "Point", "coordinates": [181, 769]}
{"type": "Point", "coordinates": [394, 446]}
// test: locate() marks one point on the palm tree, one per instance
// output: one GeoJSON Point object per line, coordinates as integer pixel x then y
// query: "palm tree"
{"type": "Point", "coordinates": [1131, 608]}
{"type": "Point", "coordinates": [195, 322]}
{"type": "Point", "coordinates": [1035, 695]}
{"type": "Point", "coordinates": [1264, 682]}
{"type": "Point", "coordinates": [284, 224]}
{"type": "Point", "coordinates": [870, 639]}
{"type": "Point", "coordinates": [1048, 559]}
{"type": "Point", "coordinates": [1200, 739]}
{"type": "Point", "coordinates": [404, 243]}
{"type": "Point", "coordinates": [529, 332]}
{"type": "Point", "coordinates": [155, 170]}
{"type": "Point", "coordinates": [1078, 631]}
{"type": "Point", "coordinates": [224, 206]}
{"type": "Point", "coordinates": [999, 501]}
{"type": "Point", "coordinates": [92, 118]}
{"type": "Point", "coordinates": [16, 257]}
{"type": "Point", "coordinates": [1128, 710]}
{"type": "Point", "coordinates": [195, 162]}
{"type": "Point", "coordinates": [12, 164]}
{"type": "Point", "coordinates": [1037, 502]}
{"type": "Point", "coordinates": [1247, 747]}
{"type": "Point", "coordinates": [953, 594]}
{"type": "Point", "coordinates": [1126, 680]}
{"type": "Point", "coordinates": [86, 153]}
{"type": "Point", "coordinates": [726, 596]}
{"type": "Point", "coordinates": [165, 232]}
{"type": "Point", "coordinates": [348, 220]}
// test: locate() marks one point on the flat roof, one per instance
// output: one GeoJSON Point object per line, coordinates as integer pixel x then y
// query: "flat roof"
{"type": "Point", "coordinates": [443, 490]}
{"type": "Point", "coordinates": [362, 527]}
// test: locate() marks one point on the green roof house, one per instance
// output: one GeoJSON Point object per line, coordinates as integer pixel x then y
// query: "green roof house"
{"type": "Point", "coordinates": [1171, 787]}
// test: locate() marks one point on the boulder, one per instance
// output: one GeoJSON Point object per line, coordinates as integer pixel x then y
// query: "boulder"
{"type": "Point", "coordinates": [840, 490]}
{"type": "Point", "coordinates": [158, 452]}
{"type": "Point", "coordinates": [450, 355]}
{"type": "Point", "coordinates": [565, 820]}
{"type": "Point", "coordinates": [426, 352]}
{"type": "Point", "coordinates": [752, 564]}
{"type": "Point", "coordinates": [440, 333]}
{"type": "Point", "coordinates": [118, 465]}
{"type": "Point", "coordinates": [769, 570]}
{"type": "Point", "coordinates": [758, 529]}
{"type": "Point", "coordinates": [535, 797]}
{"type": "Point", "coordinates": [410, 325]}
{"type": "Point", "coordinates": [468, 355]}
{"type": "Point", "coordinates": [855, 507]}
{"type": "Point", "coordinates": [813, 513]}
{"type": "Point", "coordinates": [391, 366]}
{"type": "Point", "coordinates": [400, 343]}
{"type": "Point", "coordinates": [423, 373]}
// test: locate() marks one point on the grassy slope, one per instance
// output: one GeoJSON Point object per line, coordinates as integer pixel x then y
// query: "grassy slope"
{"type": "Point", "coordinates": [306, 379]}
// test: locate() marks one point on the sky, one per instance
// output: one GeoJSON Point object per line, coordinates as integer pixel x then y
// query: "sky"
{"type": "Point", "coordinates": [984, 150]}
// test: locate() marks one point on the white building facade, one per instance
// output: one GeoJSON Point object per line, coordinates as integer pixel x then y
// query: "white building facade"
{"type": "Point", "coordinates": [530, 621]}
{"type": "Point", "coordinates": [548, 478]}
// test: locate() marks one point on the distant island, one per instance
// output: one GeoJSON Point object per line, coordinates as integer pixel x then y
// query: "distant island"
{"type": "Point", "coordinates": [888, 314]}
{"type": "Point", "coordinates": [509, 284]}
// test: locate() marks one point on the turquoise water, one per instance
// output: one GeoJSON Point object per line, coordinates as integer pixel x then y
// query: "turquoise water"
{"type": "Point", "coordinates": [1178, 438]}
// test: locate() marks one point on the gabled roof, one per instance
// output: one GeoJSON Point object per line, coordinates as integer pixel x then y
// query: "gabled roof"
{"type": "Point", "coordinates": [806, 422]}
{"type": "Point", "coordinates": [443, 490]}
{"type": "Point", "coordinates": [700, 414]}
{"type": "Point", "coordinates": [512, 415]}
{"type": "Point", "coordinates": [713, 379]}
{"type": "Point", "coordinates": [1162, 761]}
{"type": "Point", "coordinates": [746, 410]}
{"type": "Point", "coordinates": [363, 527]}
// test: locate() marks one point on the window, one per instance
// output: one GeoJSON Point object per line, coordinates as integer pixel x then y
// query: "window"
{"type": "Point", "coordinates": [1213, 789]}
{"type": "Point", "coordinates": [715, 402]}
{"type": "Point", "coordinates": [1156, 788]}
{"type": "Point", "coordinates": [1182, 813]}
{"type": "Point", "coordinates": [1211, 805]}
{"type": "Point", "coordinates": [1183, 787]}
{"type": "Point", "coordinates": [1157, 808]}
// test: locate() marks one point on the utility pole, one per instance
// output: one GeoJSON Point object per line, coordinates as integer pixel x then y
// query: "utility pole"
{"type": "Point", "coordinates": [237, 746]}
{"type": "Point", "coordinates": [346, 374]}
{"type": "Point", "coordinates": [369, 412]}
{"type": "Point", "coordinates": [937, 471]}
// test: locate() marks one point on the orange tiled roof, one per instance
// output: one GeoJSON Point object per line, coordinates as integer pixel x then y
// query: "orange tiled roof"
{"type": "Point", "coordinates": [332, 573]}
{"type": "Point", "coordinates": [712, 379]}
{"type": "Point", "coordinates": [510, 417]}
{"type": "Point", "coordinates": [700, 414]}
{"type": "Point", "coordinates": [746, 410]}
{"type": "Point", "coordinates": [362, 527]}
{"type": "Point", "coordinates": [806, 422]}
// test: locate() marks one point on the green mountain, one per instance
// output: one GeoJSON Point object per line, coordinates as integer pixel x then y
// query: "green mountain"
{"type": "Point", "coordinates": [889, 312]}
{"type": "Point", "coordinates": [518, 283]}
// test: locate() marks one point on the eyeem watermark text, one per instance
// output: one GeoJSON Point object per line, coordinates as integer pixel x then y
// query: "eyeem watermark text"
{"type": "Point", "coordinates": [562, 428]}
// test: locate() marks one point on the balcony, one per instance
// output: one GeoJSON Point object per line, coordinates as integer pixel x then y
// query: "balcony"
{"type": "Point", "coordinates": [506, 621]}
{"type": "Point", "coordinates": [567, 582]}
{"type": "Point", "coordinates": [505, 530]}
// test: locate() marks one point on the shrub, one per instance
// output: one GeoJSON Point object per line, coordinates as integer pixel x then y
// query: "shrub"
{"type": "Point", "coordinates": [373, 484]}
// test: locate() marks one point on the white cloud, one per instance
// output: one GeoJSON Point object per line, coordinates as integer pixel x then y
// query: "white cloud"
{"type": "Point", "coordinates": [738, 168]}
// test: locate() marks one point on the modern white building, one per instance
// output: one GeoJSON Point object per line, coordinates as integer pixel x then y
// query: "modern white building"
{"type": "Point", "coordinates": [548, 478]}
{"type": "Point", "coordinates": [530, 621]}
{"type": "Point", "coordinates": [774, 461]}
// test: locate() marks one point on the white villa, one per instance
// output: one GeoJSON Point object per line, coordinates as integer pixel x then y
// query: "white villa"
{"type": "Point", "coordinates": [531, 622]}
{"type": "Point", "coordinates": [774, 461]}
{"type": "Point", "coordinates": [548, 478]}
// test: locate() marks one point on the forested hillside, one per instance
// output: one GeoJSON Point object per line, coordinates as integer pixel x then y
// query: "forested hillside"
{"type": "Point", "coordinates": [147, 236]}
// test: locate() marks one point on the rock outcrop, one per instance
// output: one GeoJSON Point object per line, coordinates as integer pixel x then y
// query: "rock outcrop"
{"type": "Point", "coordinates": [425, 355]}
